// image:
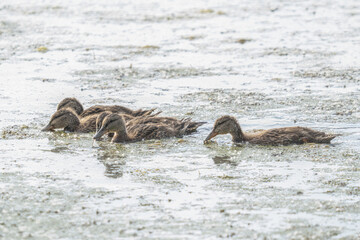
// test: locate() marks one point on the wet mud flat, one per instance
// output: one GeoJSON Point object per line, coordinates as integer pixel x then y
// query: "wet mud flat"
{"type": "Point", "coordinates": [269, 64]}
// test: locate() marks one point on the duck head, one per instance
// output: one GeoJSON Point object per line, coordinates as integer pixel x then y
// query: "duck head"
{"type": "Point", "coordinates": [112, 123]}
{"type": "Point", "coordinates": [224, 125]}
{"type": "Point", "coordinates": [63, 118]}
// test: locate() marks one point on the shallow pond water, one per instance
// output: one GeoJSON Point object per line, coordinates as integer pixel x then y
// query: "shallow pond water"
{"type": "Point", "coordinates": [268, 63]}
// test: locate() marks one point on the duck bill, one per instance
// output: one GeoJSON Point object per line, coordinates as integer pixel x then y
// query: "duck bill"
{"type": "Point", "coordinates": [99, 134]}
{"type": "Point", "coordinates": [210, 136]}
{"type": "Point", "coordinates": [47, 128]}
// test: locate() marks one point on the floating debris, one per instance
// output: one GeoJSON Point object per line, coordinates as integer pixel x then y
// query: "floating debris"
{"type": "Point", "coordinates": [151, 47]}
{"type": "Point", "coordinates": [243, 40]}
{"type": "Point", "coordinates": [42, 49]}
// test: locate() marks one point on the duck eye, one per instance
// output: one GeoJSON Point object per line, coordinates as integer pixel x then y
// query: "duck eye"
{"type": "Point", "coordinates": [61, 105]}
{"type": "Point", "coordinates": [221, 123]}
{"type": "Point", "coordinates": [58, 116]}
{"type": "Point", "coordinates": [108, 122]}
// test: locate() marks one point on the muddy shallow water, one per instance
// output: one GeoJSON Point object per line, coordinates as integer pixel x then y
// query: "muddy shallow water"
{"type": "Point", "coordinates": [268, 63]}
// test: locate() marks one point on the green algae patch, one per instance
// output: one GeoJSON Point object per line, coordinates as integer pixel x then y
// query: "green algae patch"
{"type": "Point", "coordinates": [150, 47]}
{"type": "Point", "coordinates": [211, 11]}
{"type": "Point", "coordinates": [206, 11]}
{"type": "Point", "coordinates": [42, 49]}
{"type": "Point", "coordinates": [192, 37]}
{"type": "Point", "coordinates": [227, 177]}
{"type": "Point", "coordinates": [17, 132]}
{"type": "Point", "coordinates": [243, 40]}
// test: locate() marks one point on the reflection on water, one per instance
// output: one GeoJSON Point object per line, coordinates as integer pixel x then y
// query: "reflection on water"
{"type": "Point", "coordinates": [114, 169]}
{"type": "Point", "coordinates": [218, 160]}
{"type": "Point", "coordinates": [113, 161]}
{"type": "Point", "coordinates": [59, 149]}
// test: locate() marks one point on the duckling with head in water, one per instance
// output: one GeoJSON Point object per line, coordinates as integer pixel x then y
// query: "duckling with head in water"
{"type": "Point", "coordinates": [96, 109]}
{"type": "Point", "coordinates": [67, 119]}
{"type": "Point", "coordinates": [76, 119]}
{"type": "Point", "coordinates": [131, 122]}
{"type": "Point", "coordinates": [276, 136]}
{"type": "Point", "coordinates": [134, 130]}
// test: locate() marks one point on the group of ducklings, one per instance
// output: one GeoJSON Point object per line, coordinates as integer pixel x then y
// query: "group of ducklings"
{"type": "Point", "coordinates": [125, 125]}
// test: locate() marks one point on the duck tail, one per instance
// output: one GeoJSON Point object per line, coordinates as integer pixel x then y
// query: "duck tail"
{"type": "Point", "coordinates": [141, 112]}
{"type": "Point", "coordinates": [182, 129]}
{"type": "Point", "coordinates": [327, 138]}
{"type": "Point", "coordinates": [154, 114]}
{"type": "Point", "coordinates": [193, 126]}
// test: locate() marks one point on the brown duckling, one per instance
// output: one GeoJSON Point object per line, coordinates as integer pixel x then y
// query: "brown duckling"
{"type": "Point", "coordinates": [96, 109]}
{"type": "Point", "coordinates": [275, 136]}
{"type": "Point", "coordinates": [131, 121]}
{"type": "Point", "coordinates": [136, 132]}
{"type": "Point", "coordinates": [70, 121]}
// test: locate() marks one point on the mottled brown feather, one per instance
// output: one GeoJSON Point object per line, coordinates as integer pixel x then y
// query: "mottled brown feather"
{"type": "Point", "coordinates": [114, 109]}
{"type": "Point", "coordinates": [168, 121]}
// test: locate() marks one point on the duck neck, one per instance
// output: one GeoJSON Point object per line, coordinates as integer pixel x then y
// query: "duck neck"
{"type": "Point", "coordinates": [74, 124]}
{"type": "Point", "coordinates": [121, 136]}
{"type": "Point", "coordinates": [237, 134]}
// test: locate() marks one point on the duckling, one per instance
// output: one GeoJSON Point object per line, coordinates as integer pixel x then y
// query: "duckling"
{"type": "Point", "coordinates": [96, 109]}
{"type": "Point", "coordinates": [67, 119]}
{"type": "Point", "coordinates": [132, 121]}
{"type": "Point", "coordinates": [136, 132]}
{"type": "Point", "coordinates": [275, 136]}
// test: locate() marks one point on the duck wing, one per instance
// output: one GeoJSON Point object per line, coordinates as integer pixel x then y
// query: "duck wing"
{"type": "Point", "coordinates": [100, 108]}
{"type": "Point", "coordinates": [88, 124]}
{"type": "Point", "coordinates": [290, 135]}
{"type": "Point", "coordinates": [150, 131]}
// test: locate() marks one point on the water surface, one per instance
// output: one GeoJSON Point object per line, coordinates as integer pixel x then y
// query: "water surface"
{"type": "Point", "coordinates": [268, 63]}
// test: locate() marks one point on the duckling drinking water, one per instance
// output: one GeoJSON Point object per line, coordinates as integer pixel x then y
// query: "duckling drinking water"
{"type": "Point", "coordinates": [276, 136]}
